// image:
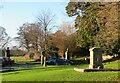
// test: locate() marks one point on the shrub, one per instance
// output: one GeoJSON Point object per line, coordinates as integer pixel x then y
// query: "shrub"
{"type": "Point", "coordinates": [31, 55]}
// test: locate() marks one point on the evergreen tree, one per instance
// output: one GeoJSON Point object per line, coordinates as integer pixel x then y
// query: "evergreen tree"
{"type": "Point", "coordinates": [97, 24]}
{"type": "Point", "coordinates": [86, 22]}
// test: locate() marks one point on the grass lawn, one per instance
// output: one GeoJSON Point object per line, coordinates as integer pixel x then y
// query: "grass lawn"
{"type": "Point", "coordinates": [20, 59]}
{"type": "Point", "coordinates": [60, 73]}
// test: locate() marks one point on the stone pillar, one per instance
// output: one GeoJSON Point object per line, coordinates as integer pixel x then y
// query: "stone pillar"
{"type": "Point", "coordinates": [66, 54]}
{"type": "Point", "coordinates": [95, 58]}
{"type": "Point", "coordinates": [42, 58]}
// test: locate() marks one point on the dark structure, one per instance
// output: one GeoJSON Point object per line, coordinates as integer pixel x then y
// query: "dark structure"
{"type": "Point", "coordinates": [8, 52]}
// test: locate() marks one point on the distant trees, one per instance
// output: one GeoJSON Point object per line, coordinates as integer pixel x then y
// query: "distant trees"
{"type": "Point", "coordinates": [60, 40]}
{"type": "Point", "coordinates": [16, 51]}
{"type": "Point", "coordinates": [30, 36]}
{"type": "Point", "coordinates": [4, 38]}
{"type": "Point", "coordinates": [71, 37]}
{"type": "Point", "coordinates": [65, 38]}
{"type": "Point", "coordinates": [36, 36]}
{"type": "Point", "coordinates": [33, 37]}
{"type": "Point", "coordinates": [96, 24]}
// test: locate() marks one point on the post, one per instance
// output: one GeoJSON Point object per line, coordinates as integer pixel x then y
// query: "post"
{"type": "Point", "coordinates": [44, 61]}
{"type": "Point", "coordinates": [66, 54]}
{"type": "Point", "coordinates": [8, 52]}
{"type": "Point", "coordinates": [42, 53]}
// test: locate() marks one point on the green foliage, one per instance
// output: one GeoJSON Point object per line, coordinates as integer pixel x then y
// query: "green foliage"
{"type": "Point", "coordinates": [71, 8]}
{"type": "Point", "coordinates": [86, 24]}
{"type": "Point", "coordinates": [31, 55]}
{"type": "Point", "coordinates": [96, 24]}
{"type": "Point", "coordinates": [52, 49]}
{"type": "Point", "coordinates": [107, 38]}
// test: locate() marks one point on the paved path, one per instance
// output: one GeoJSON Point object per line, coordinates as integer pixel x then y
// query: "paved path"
{"type": "Point", "coordinates": [5, 69]}
{"type": "Point", "coordinates": [17, 65]}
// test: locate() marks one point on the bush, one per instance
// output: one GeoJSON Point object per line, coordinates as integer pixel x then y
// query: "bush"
{"type": "Point", "coordinates": [31, 55]}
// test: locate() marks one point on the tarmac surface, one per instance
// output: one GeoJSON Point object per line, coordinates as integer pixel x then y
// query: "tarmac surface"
{"type": "Point", "coordinates": [16, 65]}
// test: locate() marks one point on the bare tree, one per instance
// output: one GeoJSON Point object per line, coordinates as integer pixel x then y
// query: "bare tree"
{"type": "Point", "coordinates": [60, 39]}
{"type": "Point", "coordinates": [30, 36]}
{"type": "Point", "coordinates": [67, 28]}
{"type": "Point", "coordinates": [65, 39]}
{"type": "Point", "coordinates": [4, 38]}
{"type": "Point", "coordinates": [45, 19]}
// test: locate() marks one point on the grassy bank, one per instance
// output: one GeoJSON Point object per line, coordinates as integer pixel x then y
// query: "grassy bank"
{"type": "Point", "coordinates": [60, 73]}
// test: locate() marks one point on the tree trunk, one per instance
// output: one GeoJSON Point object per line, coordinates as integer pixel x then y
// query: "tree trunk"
{"type": "Point", "coordinates": [45, 48]}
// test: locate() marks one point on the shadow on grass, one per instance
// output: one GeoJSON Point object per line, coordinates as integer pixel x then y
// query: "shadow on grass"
{"type": "Point", "coordinates": [38, 68]}
{"type": "Point", "coordinates": [17, 70]}
{"type": "Point", "coordinates": [12, 71]}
